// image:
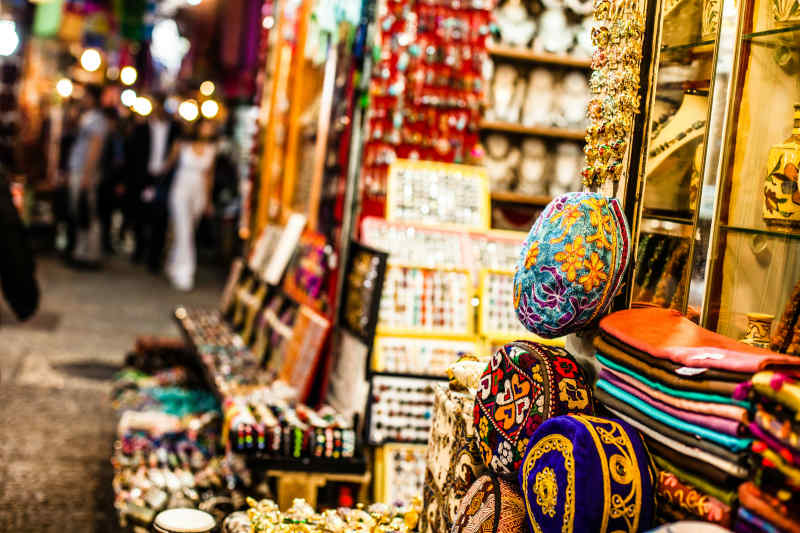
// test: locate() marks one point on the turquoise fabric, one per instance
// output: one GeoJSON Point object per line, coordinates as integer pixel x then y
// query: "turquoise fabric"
{"type": "Point", "coordinates": [691, 395]}
{"type": "Point", "coordinates": [571, 264]}
{"type": "Point", "coordinates": [732, 443]}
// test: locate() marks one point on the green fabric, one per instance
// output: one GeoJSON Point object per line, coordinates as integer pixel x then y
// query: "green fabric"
{"type": "Point", "coordinates": [733, 443]}
{"type": "Point", "coordinates": [727, 497]}
{"type": "Point", "coordinates": [700, 396]}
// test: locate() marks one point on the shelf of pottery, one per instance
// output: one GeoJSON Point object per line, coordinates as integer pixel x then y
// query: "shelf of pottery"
{"type": "Point", "coordinates": [447, 290]}
{"type": "Point", "coordinates": [535, 118]}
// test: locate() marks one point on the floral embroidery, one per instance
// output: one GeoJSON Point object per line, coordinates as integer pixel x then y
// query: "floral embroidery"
{"type": "Point", "coordinates": [536, 372]}
{"type": "Point", "coordinates": [552, 443]}
{"type": "Point", "coordinates": [571, 258]}
{"type": "Point", "coordinates": [517, 293]}
{"type": "Point", "coordinates": [522, 446]}
{"type": "Point", "coordinates": [599, 221]}
{"type": "Point", "coordinates": [566, 368]}
{"type": "Point", "coordinates": [596, 274]}
{"type": "Point", "coordinates": [569, 216]}
{"type": "Point", "coordinates": [546, 489]}
{"type": "Point", "coordinates": [532, 255]}
{"type": "Point", "coordinates": [575, 396]}
{"type": "Point", "coordinates": [483, 428]}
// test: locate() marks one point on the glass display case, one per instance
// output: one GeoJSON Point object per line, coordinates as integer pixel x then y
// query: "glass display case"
{"type": "Point", "coordinates": [672, 155]}
{"type": "Point", "coordinates": [755, 238]}
{"type": "Point", "coordinates": [718, 211]}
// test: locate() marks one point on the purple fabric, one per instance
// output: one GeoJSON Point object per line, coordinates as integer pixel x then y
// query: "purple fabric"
{"type": "Point", "coordinates": [722, 425]}
{"type": "Point", "coordinates": [776, 446]}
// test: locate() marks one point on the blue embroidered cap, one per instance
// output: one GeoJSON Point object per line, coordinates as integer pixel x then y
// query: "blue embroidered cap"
{"type": "Point", "coordinates": [583, 473]}
{"type": "Point", "coordinates": [572, 263]}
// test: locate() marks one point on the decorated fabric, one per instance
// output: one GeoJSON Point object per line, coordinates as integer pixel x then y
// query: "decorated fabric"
{"type": "Point", "coordinates": [779, 387]}
{"type": "Point", "coordinates": [781, 430]}
{"type": "Point", "coordinates": [453, 461]}
{"type": "Point", "coordinates": [752, 522]}
{"type": "Point", "coordinates": [491, 505]}
{"type": "Point", "coordinates": [769, 507]}
{"type": "Point", "coordinates": [583, 473]}
{"type": "Point", "coordinates": [571, 264]}
{"type": "Point", "coordinates": [524, 384]}
{"type": "Point", "coordinates": [702, 484]}
{"type": "Point", "coordinates": [692, 500]}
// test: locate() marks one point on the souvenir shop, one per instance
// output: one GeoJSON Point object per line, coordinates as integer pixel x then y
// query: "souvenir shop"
{"type": "Point", "coordinates": [521, 267]}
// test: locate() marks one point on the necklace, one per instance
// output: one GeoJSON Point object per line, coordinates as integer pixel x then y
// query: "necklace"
{"type": "Point", "coordinates": [663, 147]}
{"type": "Point", "coordinates": [658, 125]}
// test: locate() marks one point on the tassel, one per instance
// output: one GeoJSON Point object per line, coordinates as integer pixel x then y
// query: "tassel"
{"type": "Point", "coordinates": [742, 390]}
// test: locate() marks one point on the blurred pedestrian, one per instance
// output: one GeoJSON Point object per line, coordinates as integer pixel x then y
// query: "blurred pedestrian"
{"type": "Point", "coordinates": [189, 198]}
{"type": "Point", "coordinates": [151, 143]}
{"type": "Point", "coordinates": [112, 182]}
{"type": "Point", "coordinates": [83, 179]}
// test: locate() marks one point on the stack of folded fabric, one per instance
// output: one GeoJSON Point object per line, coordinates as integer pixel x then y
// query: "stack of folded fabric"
{"type": "Point", "coordinates": [771, 502]}
{"type": "Point", "coordinates": [681, 386]}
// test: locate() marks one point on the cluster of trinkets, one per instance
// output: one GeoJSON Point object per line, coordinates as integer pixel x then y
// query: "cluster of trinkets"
{"type": "Point", "coordinates": [266, 517]}
{"type": "Point", "coordinates": [617, 35]}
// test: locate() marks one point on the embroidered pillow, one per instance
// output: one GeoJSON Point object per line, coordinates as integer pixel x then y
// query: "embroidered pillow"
{"type": "Point", "coordinates": [583, 473]}
{"type": "Point", "coordinates": [453, 461]}
{"type": "Point", "coordinates": [491, 505]}
{"type": "Point", "coordinates": [524, 384]}
{"type": "Point", "coordinates": [571, 265]}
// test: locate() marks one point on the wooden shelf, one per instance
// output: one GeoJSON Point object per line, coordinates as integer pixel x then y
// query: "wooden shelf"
{"type": "Point", "coordinates": [524, 54]}
{"type": "Point", "coordinates": [515, 198]}
{"type": "Point", "coordinates": [538, 131]}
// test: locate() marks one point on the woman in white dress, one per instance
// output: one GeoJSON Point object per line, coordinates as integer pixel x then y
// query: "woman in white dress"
{"type": "Point", "coordinates": [189, 198]}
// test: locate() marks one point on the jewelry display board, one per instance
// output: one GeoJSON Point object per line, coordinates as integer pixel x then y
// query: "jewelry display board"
{"type": "Point", "coordinates": [420, 356]}
{"type": "Point", "coordinates": [363, 287]}
{"type": "Point", "coordinates": [441, 194]}
{"type": "Point", "coordinates": [399, 472]}
{"type": "Point", "coordinates": [426, 301]}
{"type": "Point", "coordinates": [401, 409]}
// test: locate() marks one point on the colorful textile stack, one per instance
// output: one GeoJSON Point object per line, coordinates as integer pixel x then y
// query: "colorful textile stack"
{"type": "Point", "coordinates": [771, 502]}
{"type": "Point", "coordinates": [680, 385]}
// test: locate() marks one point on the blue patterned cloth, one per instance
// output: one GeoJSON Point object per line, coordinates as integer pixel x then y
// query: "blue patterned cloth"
{"type": "Point", "coordinates": [583, 473]}
{"type": "Point", "coordinates": [572, 264]}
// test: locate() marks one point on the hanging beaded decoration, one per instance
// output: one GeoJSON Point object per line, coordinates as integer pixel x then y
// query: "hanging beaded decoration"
{"type": "Point", "coordinates": [617, 36]}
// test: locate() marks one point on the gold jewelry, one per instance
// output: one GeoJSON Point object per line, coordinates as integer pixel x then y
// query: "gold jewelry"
{"type": "Point", "coordinates": [615, 84]}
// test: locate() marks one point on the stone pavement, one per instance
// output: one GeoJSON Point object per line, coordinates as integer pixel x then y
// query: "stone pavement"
{"type": "Point", "coordinates": [56, 423]}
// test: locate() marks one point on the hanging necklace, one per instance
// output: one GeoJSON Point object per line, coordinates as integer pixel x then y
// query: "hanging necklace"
{"type": "Point", "coordinates": [663, 147]}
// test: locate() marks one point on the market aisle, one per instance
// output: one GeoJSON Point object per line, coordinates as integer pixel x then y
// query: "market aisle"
{"type": "Point", "coordinates": [56, 423]}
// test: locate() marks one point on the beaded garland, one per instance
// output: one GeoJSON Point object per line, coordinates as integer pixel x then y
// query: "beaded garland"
{"type": "Point", "coordinates": [615, 85]}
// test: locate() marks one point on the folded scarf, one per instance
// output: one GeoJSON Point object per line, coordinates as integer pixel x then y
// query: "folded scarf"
{"type": "Point", "coordinates": [692, 500]}
{"type": "Point", "coordinates": [665, 364]}
{"type": "Point", "coordinates": [691, 395]}
{"type": "Point", "coordinates": [787, 454]}
{"type": "Point", "coordinates": [745, 527]}
{"type": "Point", "coordinates": [723, 388]}
{"type": "Point", "coordinates": [666, 334]}
{"type": "Point", "coordinates": [727, 497]}
{"type": "Point", "coordinates": [739, 458]}
{"type": "Point", "coordinates": [719, 424]}
{"type": "Point", "coordinates": [755, 521]}
{"type": "Point", "coordinates": [781, 430]}
{"type": "Point", "coordinates": [732, 443]}
{"type": "Point", "coordinates": [690, 463]}
{"type": "Point", "coordinates": [767, 507]}
{"type": "Point", "coordinates": [720, 410]}
{"type": "Point", "coordinates": [733, 469]}
{"type": "Point", "coordinates": [771, 459]}
{"type": "Point", "coordinates": [779, 387]}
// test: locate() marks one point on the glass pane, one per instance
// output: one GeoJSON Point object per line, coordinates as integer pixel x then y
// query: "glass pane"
{"type": "Point", "coordinates": [673, 152]}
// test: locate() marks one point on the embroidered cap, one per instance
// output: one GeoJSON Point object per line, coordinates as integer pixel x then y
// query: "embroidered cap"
{"type": "Point", "coordinates": [491, 505]}
{"type": "Point", "coordinates": [583, 473]}
{"type": "Point", "coordinates": [524, 384]}
{"type": "Point", "coordinates": [572, 263]}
